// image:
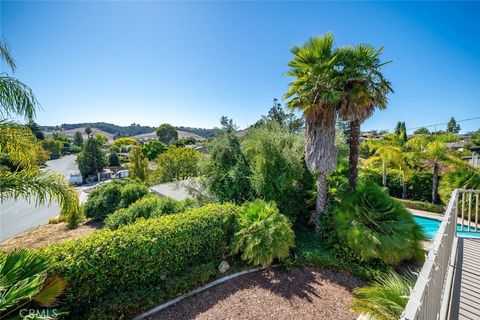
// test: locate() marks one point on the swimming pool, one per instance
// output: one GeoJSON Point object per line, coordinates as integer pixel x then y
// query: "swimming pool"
{"type": "Point", "coordinates": [430, 227]}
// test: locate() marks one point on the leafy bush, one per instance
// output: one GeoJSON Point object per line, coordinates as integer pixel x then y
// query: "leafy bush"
{"type": "Point", "coordinates": [227, 170]}
{"type": "Point", "coordinates": [109, 197]}
{"type": "Point", "coordinates": [277, 167]}
{"type": "Point", "coordinates": [462, 176]}
{"type": "Point", "coordinates": [385, 299]}
{"type": "Point", "coordinates": [150, 253]}
{"type": "Point", "coordinates": [312, 250]}
{"type": "Point", "coordinates": [146, 207]}
{"type": "Point", "coordinates": [420, 205]}
{"type": "Point", "coordinates": [262, 234]}
{"type": "Point", "coordinates": [419, 184]}
{"type": "Point", "coordinates": [375, 226]}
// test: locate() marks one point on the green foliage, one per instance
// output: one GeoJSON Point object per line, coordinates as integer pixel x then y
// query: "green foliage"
{"type": "Point", "coordinates": [419, 183]}
{"type": "Point", "coordinates": [36, 130]}
{"type": "Point", "coordinates": [176, 164]}
{"type": "Point", "coordinates": [113, 159]}
{"type": "Point", "coordinates": [91, 159]}
{"type": "Point", "coordinates": [125, 142]}
{"type": "Point", "coordinates": [421, 131]}
{"type": "Point", "coordinates": [312, 250]}
{"type": "Point", "coordinates": [54, 147]}
{"type": "Point", "coordinates": [109, 197]}
{"type": "Point", "coordinates": [461, 176]}
{"type": "Point", "coordinates": [167, 133]}
{"type": "Point", "coordinates": [227, 170]}
{"type": "Point", "coordinates": [421, 205]}
{"type": "Point", "coordinates": [453, 126]}
{"type": "Point", "coordinates": [385, 299]}
{"type": "Point", "coordinates": [375, 226]}
{"type": "Point", "coordinates": [138, 165]}
{"type": "Point", "coordinates": [474, 140]}
{"type": "Point", "coordinates": [262, 234]}
{"type": "Point", "coordinates": [146, 207]}
{"type": "Point", "coordinates": [153, 148]}
{"type": "Point", "coordinates": [148, 254]}
{"type": "Point", "coordinates": [277, 167]}
{"type": "Point", "coordinates": [24, 283]}
{"type": "Point", "coordinates": [285, 119]}
{"type": "Point", "coordinates": [78, 139]}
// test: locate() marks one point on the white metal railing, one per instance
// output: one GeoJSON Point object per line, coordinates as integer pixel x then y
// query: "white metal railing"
{"type": "Point", "coordinates": [429, 299]}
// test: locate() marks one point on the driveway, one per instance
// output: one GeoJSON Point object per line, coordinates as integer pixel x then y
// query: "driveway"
{"type": "Point", "coordinates": [20, 215]}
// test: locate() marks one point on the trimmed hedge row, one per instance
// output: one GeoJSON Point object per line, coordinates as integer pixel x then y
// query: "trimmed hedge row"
{"type": "Point", "coordinates": [420, 205]}
{"type": "Point", "coordinates": [149, 253]}
{"type": "Point", "coordinates": [419, 186]}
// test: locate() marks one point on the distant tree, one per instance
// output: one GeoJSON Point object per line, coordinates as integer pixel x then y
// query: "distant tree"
{"type": "Point", "coordinates": [78, 139]}
{"type": "Point", "coordinates": [36, 130]}
{"type": "Point", "coordinates": [113, 160]}
{"type": "Point", "coordinates": [285, 119]}
{"type": "Point", "coordinates": [227, 124]}
{"type": "Point", "coordinates": [91, 159]}
{"type": "Point", "coordinates": [153, 148]}
{"type": "Point", "coordinates": [138, 165]}
{"type": "Point", "coordinates": [54, 147]}
{"type": "Point", "coordinates": [421, 131]}
{"type": "Point", "coordinates": [176, 164]}
{"type": "Point", "coordinates": [474, 140]}
{"type": "Point", "coordinates": [453, 126]}
{"type": "Point", "coordinates": [401, 131]}
{"type": "Point", "coordinates": [101, 138]}
{"type": "Point", "coordinates": [125, 142]}
{"type": "Point", "coordinates": [167, 133]}
{"type": "Point", "coordinates": [88, 131]}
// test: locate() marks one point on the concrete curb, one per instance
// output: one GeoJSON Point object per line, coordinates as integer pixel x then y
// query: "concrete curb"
{"type": "Point", "coordinates": [197, 290]}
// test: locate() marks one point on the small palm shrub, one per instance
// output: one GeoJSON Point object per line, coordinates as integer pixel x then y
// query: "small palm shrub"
{"type": "Point", "coordinates": [146, 207]}
{"type": "Point", "coordinates": [109, 197]}
{"type": "Point", "coordinates": [24, 284]}
{"type": "Point", "coordinates": [385, 299]}
{"type": "Point", "coordinates": [375, 226]}
{"type": "Point", "coordinates": [262, 234]}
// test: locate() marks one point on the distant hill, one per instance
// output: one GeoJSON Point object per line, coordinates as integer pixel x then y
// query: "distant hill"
{"type": "Point", "coordinates": [181, 134]}
{"type": "Point", "coordinates": [126, 131]}
{"type": "Point", "coordinates": [71, 132]}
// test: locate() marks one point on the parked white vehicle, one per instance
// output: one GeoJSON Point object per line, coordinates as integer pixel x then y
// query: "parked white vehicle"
{"type": "Point", "coordinates": [75, 177]}
{"type": "Point", "coordinates": [122, 174]}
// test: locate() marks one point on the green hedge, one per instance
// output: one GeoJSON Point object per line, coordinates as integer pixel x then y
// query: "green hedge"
{"type": "Point", "coordinates": [419, 185]}
{"type": "Point", "coordinates": [420, 205]}
{"type": "Point", "coordinates": [109, 197]}
{"type": "Point", "coordinates": [147, 207]}
{"type": "Point", "coordinates": [149, 253]}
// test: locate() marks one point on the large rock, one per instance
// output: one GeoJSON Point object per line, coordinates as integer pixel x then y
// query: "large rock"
{"type": "Point", "coordinates": [223, 266]}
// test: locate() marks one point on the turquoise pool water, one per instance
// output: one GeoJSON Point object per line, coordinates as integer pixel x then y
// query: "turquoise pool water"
{"type": "Point", "coordinates": [430, 227]}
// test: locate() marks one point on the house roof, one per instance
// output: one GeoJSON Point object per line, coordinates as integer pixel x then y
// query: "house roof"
{"type": "Point", "coordinates": [177, 190]}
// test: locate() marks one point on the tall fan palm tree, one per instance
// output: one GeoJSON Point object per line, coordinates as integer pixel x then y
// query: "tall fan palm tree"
{"type": "Point", "coordinates": [316, 91]}
{"type": "Point", "coordinates": [24, 178]}
{"type": "Point", "coordinates": [365, 89]}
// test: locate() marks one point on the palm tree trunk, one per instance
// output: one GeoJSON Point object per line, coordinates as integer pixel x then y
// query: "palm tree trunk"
{"type": "Point", "coordinates": [321, 202]}
{"type": "Point", "coordinates": [435, 183]}
{"type": "Point", "coordinates": [320, 152]}
{"type": "Point", "coordinates": [354, 142]}
{"type": "Point", "coordinates": [404, 186]}
{"type": "Point", "coordinates": [384, 174]}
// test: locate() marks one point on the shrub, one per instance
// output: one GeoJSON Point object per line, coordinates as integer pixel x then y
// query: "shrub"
{"type": "Point", "coordinates": [109, 197]}
{"type": "Point", "coordinates": [150, 253]}
{"type": "Point", "coordinates": [262, 234]}
{"type": "Point", "coordinates": [278, 168]}
{"type": "Point", "coordinates": [146, 207]}
{"type": "Point", "coordinates": [420, 205]}
{"type": "Point", "coordinates": [375, 226]}
{"type": "Point", "coordinates": [385, 299]}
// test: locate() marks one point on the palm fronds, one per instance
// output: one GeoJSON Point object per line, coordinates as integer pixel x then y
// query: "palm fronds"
{"type": "Point", "coordinates": [16, 98]}
{"type": "Point", "coordinates": [385, 299]}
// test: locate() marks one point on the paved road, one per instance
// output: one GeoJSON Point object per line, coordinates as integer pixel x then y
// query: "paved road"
{"type": "Point", "coordinates": [20, 215]}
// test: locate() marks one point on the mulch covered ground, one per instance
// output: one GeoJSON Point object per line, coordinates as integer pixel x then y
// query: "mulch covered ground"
{"type": "Point", "coordinates": [302, 293]}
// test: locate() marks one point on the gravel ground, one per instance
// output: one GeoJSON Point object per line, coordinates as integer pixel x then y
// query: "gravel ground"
{"type": "Point", "coordinates": [302, 293]}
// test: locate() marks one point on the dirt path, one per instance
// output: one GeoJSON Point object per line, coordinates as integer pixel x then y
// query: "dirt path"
{"type": "Point", "coordinates": [303, 293]}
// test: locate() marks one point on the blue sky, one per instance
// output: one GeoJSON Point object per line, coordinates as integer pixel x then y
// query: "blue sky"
{"type": "Point", "coordinates": [188, 63]}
